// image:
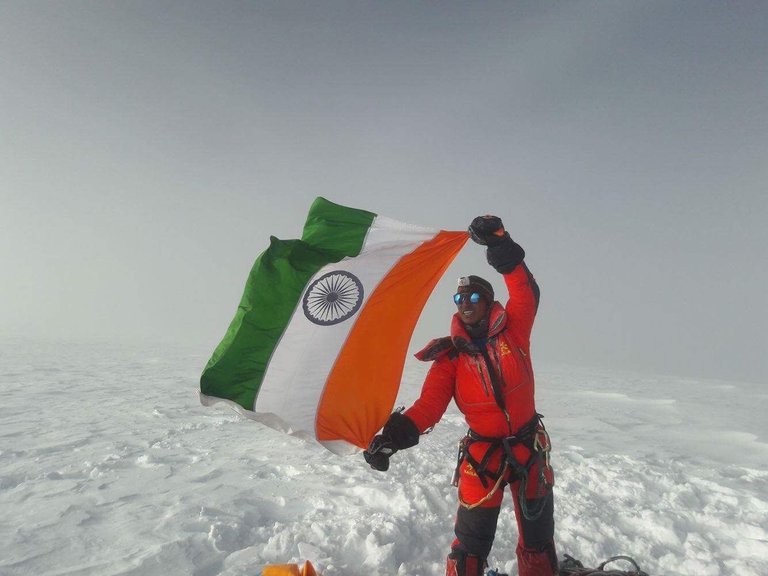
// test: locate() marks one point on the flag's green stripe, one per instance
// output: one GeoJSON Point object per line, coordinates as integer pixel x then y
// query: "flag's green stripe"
{"type": "Point", "coordinates": [272, 292]}
{"type": "Point", "coordinates": [336, 230]}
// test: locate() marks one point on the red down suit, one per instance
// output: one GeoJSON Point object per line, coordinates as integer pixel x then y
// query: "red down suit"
{"type": "Point", "coordinates": [461, 371]}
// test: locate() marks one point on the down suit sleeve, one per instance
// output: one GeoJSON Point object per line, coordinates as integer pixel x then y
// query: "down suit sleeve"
{"type": "Point", "coordinates": [523, 303]}
{"type": "Point", "coordinates": [436, 394]}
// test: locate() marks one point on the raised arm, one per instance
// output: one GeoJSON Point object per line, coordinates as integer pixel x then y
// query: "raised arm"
{"type": "Point", "coordinates": [523, 302]}
{"type": "Point", "coordinates": [506, 256]}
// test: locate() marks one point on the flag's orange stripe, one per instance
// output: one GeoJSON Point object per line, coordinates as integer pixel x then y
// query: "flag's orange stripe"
{"type": "Point", "coordinates": [362, 386]}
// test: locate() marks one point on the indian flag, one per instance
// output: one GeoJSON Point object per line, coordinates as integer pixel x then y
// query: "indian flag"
{"type": "Point", "coordinates": [319, 340]}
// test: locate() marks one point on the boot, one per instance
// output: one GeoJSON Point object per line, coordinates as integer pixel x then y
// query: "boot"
{"type": "Point", "coordinates": [462, 564]}
{"type": "Point", "coordinates": [537, 562]}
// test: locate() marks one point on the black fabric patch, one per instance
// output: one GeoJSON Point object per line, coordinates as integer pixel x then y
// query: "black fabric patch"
{"type": "Point", "coordinates": [534, 285]}
{"type": "Point", "coordinates": [538, 534]}
{"type": "Point", "coordinates": [475, 529]}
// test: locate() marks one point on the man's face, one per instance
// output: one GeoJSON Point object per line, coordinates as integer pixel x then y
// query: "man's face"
{"type": "Point", "coordinates": [471, 312]}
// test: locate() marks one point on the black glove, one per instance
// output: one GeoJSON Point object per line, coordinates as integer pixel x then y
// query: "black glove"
{"type": "Point", "coordinates": [487, 230]}
{"type": "Point", "coordinates": [399, 433]}
{"type": "Point", "coordinates": [379, 451]}
{"type": "Point", "coordinates": [503, 253]}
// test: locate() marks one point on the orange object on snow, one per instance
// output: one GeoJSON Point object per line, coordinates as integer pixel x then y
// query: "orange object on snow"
{"type": "Point", "coordinates": [290, 570]}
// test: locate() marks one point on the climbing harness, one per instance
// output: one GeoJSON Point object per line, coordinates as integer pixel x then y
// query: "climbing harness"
{"type": "Point", "coordinates": [533, 436]}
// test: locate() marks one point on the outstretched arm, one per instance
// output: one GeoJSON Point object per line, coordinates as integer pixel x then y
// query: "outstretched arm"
{"type": "Point", "coordinates": [436, 394]}
{"type": "Point", "coordinates": [402, 429]}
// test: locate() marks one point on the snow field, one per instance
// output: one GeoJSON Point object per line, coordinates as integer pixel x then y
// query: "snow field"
{"type": "Point", "coordinates": [109, 466]}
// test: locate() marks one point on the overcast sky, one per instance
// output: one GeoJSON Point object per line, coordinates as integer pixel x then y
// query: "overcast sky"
{"type": "Point", "coordinates": [149, 149]}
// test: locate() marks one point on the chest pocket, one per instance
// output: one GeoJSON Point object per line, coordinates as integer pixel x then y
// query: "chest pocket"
{"type": "Point", "coordinates": [473, 384]}
{"type": "Point", "coordinates": [514, 365]}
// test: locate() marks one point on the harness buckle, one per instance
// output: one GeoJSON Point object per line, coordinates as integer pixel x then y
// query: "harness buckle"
{"type": "Point", "coordinates": [542, 447]}
{"type": "Point", "coordinates": [463, 443]}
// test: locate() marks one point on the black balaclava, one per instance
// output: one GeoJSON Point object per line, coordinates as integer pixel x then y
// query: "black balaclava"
{"type": "Point", "coordinates": [485, 289]}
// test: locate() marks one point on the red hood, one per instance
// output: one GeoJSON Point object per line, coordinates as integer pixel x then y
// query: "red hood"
{"type": "Point", "coordinates": [459, 338]}
{"type": "Point", "coordinates": [496, 321]}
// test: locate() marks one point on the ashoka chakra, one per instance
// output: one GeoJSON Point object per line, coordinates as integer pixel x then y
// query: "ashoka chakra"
{"type": "Point", "coordinates": [333, 298]}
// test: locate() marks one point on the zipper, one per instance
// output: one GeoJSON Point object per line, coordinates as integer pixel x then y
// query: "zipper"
{"type": "Point", "coordinates": [498, 364]}
{"type": "Point", "coordinates": [525, 363]}
{"type": "Point", "coordinates": [479, 367]}
{"type": "Point", "coordinates": [497, 394]}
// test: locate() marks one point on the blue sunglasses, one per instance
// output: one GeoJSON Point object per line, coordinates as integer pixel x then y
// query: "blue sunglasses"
{"type": "Point", "coordinates": [474, 298]}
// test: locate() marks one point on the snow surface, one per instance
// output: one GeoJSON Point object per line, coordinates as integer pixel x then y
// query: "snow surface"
{"type": "Point", "coordinates": [109, 465]}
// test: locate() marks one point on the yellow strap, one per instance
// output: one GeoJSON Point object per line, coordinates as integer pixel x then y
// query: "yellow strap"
{"type": "Point", "coordinates": [488, 496]}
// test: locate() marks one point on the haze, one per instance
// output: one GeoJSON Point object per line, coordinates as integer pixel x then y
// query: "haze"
{"type": "Point", "coordinates": [149, 149]}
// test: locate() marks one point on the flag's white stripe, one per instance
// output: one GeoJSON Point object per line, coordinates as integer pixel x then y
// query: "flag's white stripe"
{"type": "Point", "coordinates": [299, 367]}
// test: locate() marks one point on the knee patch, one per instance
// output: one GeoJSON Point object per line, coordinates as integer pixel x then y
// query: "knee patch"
{"type": "Point", "coordinates": [538, 533]}
{"type": "Point", "coordinates": [475, 530]}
